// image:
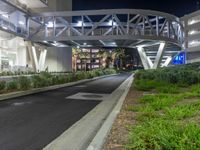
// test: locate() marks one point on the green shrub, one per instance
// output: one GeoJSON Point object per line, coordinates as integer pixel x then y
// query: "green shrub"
{"type": "Point", "coordinates": [69, 77]}
{"type": "Point", "coordinates": [24, 83]}
{"type": "Point", "coordinates": [45, 75]}
{"type": "Point", "coordinates": [109, 71]}
{"type": "Point", "coordinates": [62, 79]}
{"type": "Point", "coordinates": [181, 75]}
{"type": "Point", "coordinates": [91, 74]}
{"type": "Point", "coordinates": [80, 75]}
{"type": "Point", "coordinates": [13, 85]}
{"type": "Point", "coordinates": [2, 85]}
{"type": "Point", "coordinates": [100, 72]}
{"type": "Point", "coordinates": [39, 81]}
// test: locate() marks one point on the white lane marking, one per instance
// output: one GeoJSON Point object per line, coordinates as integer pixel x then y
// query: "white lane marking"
{"type": "Point", "coordinates": [88, 96]}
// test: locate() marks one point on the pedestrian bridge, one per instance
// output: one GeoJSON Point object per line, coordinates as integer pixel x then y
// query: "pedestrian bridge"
{"type": "Point", "coordinates": [158, 36]}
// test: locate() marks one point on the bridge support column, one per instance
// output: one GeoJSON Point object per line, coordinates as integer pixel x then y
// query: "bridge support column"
{"type": "Point", "coordinates": [166, 63]}
{"type": "Point", "coordinates": [143, 58]}
{"type": "Point", "coordinates": [150, 62]}
{"type": "Point", "coordinates": [147, 62]}
{"type": "Point", "coordinates": [159, 55]}
{"type": "Point", "coordinates": [37, 64]}
{"type": "Point", "coordinates": [42, 59]}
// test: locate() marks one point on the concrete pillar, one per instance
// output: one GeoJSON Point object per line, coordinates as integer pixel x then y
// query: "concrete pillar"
{"type": "Point", "coordinates": [56, 5]}
{"type": "Point", "coordinates": [159, 55]}
{"type": "Point", "coordinates": [143, 58]}
{"type": "Point", "coordinates": [0, 61]}
{"type": "Point", "coordinates": [167, 62]}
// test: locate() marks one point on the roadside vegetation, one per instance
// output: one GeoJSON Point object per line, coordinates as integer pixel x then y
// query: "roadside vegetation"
{"type": "Point", "coordinates": [45, 79]}
{"type": "Point", "coordinates": [167, 115]}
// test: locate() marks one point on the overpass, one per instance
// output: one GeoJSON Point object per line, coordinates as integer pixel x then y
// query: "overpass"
{"type": "Point", "coordinates": [158, 36]}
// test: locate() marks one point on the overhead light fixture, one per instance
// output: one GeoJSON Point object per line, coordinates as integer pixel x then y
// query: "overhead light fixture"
{"type": "Point", "coordinates": [78, 47]}
{"type": "Point", "coordinates": [5, 16]}
{"type": "Point", "coordinates": [21, 22]}
{"type": "Point", "coordinates": [193, 22]}
{"type": "Point", "coordinates": [80, 23]}
{"type": "Point", "coordinates": [192, 32]}
{"type": "Point", "coordinates": [85, 44]}
{"type": "Point", "coordinates": [111, 22]}
{"type": "Point", "coordinates": [194, 43]}
{"type": "Point", "coordinates": [50, 24]}
{"type": "Point", "coordinates": [4, 27]}
{"type": "Point", "coordinates": [58, 44]}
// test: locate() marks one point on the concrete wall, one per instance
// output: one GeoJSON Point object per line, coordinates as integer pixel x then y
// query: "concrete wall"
{"type": "Point", "coordinates": [59, 59]}
{"type": "Point", "coordinates": [56, 5]}
{"type": "Point", "coordinates": [192, 36]}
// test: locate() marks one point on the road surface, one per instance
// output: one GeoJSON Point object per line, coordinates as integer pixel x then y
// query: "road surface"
{"type": "Point", "coordinates": [31, 122]}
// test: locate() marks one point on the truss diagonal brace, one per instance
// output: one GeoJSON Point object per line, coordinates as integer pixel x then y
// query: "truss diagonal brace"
{"type": "Point", "coordinates": [143, 58]}
{"type": "Point", "coordinates": [159, 55]}
{"type": "Point", "coordinates": [97, 24]}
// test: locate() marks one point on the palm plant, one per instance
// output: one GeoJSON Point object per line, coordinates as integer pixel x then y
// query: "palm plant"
{"type": "Point", "coordinates": [120, 56]}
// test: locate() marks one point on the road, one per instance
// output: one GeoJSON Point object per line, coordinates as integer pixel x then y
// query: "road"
{"type": "Point", "coordinates": [31, 122]}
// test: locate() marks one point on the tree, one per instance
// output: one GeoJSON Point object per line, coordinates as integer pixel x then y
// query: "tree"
{"type": "Point", "coordinates": [119, 56]}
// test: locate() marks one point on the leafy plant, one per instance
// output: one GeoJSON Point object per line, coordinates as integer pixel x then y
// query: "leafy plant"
{"type": "Point", "coordinates": [2, 85]}
{"type": "Point", "coordinates": [24, 83]}
{"type": "Point", "coordinates": [163, 134]}
{"type": "Point", "coordinates": [13, 85]}
{"type": "Point", "coordinates": [181, 112]}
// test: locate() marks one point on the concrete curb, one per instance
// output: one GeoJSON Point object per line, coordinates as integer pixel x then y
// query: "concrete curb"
{"type": "Point", "coordinates": [80, 135]}
{"type": "Point", "coordinates": [44, 89]}
{"type": "Point", "coordinates": [100, 138]}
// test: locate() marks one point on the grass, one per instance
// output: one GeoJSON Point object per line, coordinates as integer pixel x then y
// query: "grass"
{"type": "Point", "coordinates": [162, 87]}
{"type": "Point", "coordinates": [183, 111]}
{"type": "Point", "coordinates": [157, 134]}
{"type": "Point", "coordinates": [163, 116]}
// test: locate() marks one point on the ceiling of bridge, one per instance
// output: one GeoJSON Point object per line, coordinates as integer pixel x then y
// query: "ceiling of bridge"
{"type": "Point", "coordinates": [33, 3]}
{"type": "Point", "coordinates": [5, 8]}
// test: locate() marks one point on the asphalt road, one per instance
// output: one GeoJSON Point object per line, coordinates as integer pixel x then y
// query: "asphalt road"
{"type": "Point", "coordinates": [31, 122]}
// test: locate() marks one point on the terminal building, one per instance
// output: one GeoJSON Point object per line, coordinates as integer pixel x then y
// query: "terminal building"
{"type": "Point", "coordinates": [192, 36]}
{"type": "Point", "coordinates": [158, 37]}
{"type": "Point", "coordinates": [16, 53]}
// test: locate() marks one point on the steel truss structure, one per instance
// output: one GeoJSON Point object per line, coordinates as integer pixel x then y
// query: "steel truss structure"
{"type": "Point", "coordinates": [148, 31]}
{"type": "Point", "coordinates": [157, 36]}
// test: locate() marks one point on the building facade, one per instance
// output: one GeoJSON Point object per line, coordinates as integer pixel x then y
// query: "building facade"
{"type": "Point", "coordinates": [18, 54]}
{"type": "Point", "coordinates": [192, 36]}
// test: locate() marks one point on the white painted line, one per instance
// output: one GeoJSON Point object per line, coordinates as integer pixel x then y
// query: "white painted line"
{"type": "Point", "coordinates": [88, 96]}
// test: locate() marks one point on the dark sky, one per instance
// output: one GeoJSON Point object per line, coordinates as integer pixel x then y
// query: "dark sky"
{"type": "Point", "coordinates": [176, 7]}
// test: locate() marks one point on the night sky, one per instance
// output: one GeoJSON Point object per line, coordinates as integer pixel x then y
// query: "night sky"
{"type": "Point", "coordinates": [176, 7]}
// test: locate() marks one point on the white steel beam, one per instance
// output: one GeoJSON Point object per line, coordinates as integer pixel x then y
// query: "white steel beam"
{"type": "Point", "coordinates": [150, 62]}
{"type": "Point", "coordinates": [42, 60]}
{"type": "Point", "coordinates": [35, 59]}
{"type": "Point", "coordinates": [97, 24]}
{"type": "Point", "coordinates": [159, 55]}
{"type": "Point", "coordinates": [143, 58]}
{"type": "Point", "coordinates": [167, 62]}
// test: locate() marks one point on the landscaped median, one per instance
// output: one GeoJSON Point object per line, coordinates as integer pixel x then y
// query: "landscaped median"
{"type": "Point", "coordinates": [161, 111]}
{"type": "Point", "coordinates": [45, 79]}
